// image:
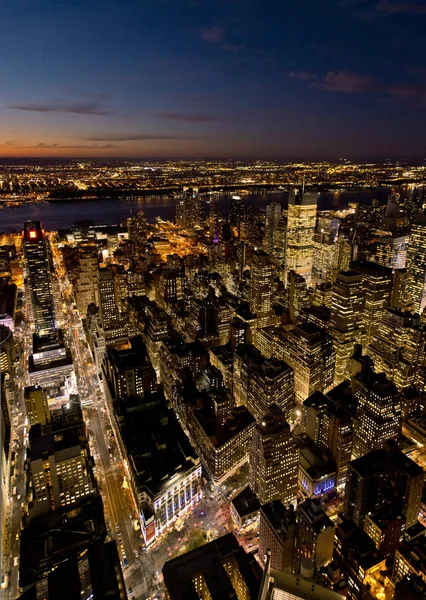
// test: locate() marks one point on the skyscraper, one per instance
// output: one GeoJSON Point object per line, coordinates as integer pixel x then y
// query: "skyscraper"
{"type": "Point", "coordinates": [36, 405]}
{"type": "Point", "coordinates": [261, 287]}
{"type": "Point", "coordinates": [416, 263]}
{"type": "Point", "coordinates": [39, 277]}
{"type": "Point", "coordinates": [190, 209]}
{"type": "Point", "coordinates": [347, 305]}
{"type": "Point", "coordinates": [301, 221]}
{"type": "Point", "coordinates": [377, 285]}
{"type": "Point", "coordinates": [274, 459]}
{"type": "Point", "coordinates": [236, 212]}
{"type": "Point", "coordinates": [273, 216]}
{"type": "Point", "coordinates": [397, 348]}
{"type": "Point", "coordinates": [378, 416]}
{"type": "Point", "coordinates": [314, 535]}
{"type": "Point", "coordinates": [85, 282]}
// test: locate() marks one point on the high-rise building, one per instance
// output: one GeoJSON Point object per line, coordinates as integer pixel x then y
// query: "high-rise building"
{"type": "Point", "coordinates": [383, 477]}
{"type": "Point", "coordinates": [410, 559]}
{"type": "Point", "coordinates": [137, 229]}
{"type": "Point", "coordinates": [251, 227]}
{"type": "Point", "coordinates": [301, 221]}
{"type": "Point", "coordinates": [214, 226]}
{"type": "Point", "coordinates": [190, 209]}
{"type": "Point", "coordinates": [358, 559]}
{"type": "Point", "coordinates": [60, 467]}
{"type": "Point", "coordinates": [236, 212]}
{"type": "Point", "coordinates": [36, 405]}
{"type": "Point", "coordinates": [259, 382]}
{"type": "Point", "coordinates": [7, 349]}
{"type": "Point", "coordinates": [273, 216]}
{"type": "Point", "coordinates": [309, 351]}
{"type": "Point", "coordinates": [314, 535]}
{"type": "Point", "coordinates": [37, 268]}
{"type": "Point", "coordinates": [378, 414]}
{"type": "Point", "coordinates": [329, 425]}
{"type": "Point", "coordinates": [261, 287]}
{"type": "Point", "coordinates": [347, 306]}
{"type": "Point", "coordinates": [219, 569]}
{"type": "Point", "coordinates": [342, 255]}
{"type": "Point", "coordinates": [5, 457]}
{"type": "Point", "coordinates": [111, 322]}
{"type": "Point", "coordinates": [274, 459]}
{"type": "Point", "coordinates": [416, 263]}
{"type": "Point", "coordinates": [276, 533]}
{"type": "Point", "coordinates": [85, 282]}
{"type": "Point", "coordinates": [397, 347]}
{"type": "Point", "coordinates": [377, 286]}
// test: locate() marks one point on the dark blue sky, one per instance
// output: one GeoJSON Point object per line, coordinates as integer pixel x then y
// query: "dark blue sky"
{"type": "Point", "coordinates": [213, 78]}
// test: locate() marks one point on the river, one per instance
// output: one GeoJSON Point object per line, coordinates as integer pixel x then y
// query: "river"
{"type": "Point", "coordinates": [110, 211]}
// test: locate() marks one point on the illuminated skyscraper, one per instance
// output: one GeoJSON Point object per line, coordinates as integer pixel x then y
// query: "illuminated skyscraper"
{"type": "Point", "coordinates": [261, 287]}
{"type": "Point", "coordinates": [37, 405]}
{"type": "Point", "coordinates": [190, 209]}
{"type": "Point", "coordinates": [377, 285]}
{"type": "Point", "coordinates": [236, 212]}
{"type": "Point", "coordinates": [274, 459]}
{"type": "Point", "coordinates": [397, 348]}
{"type": "Point", "coordinates": [137, 228]}
{"type": "Point", "coordinates": [416, 263]}
{"type": "Point", "coordinates": [273, 216]}
{"type": "Point", "coordinates": [314, 535]}
{"type": "Point", "coordinates": [378, 415]}
{"type": "Point", "coordinates": [347, 306]}
{"type": "Point", "coordinates": [214, 219]}
{"type": "Point", "coordinates": [85, 282]}
{"type": "Point", "coordinates": [39, 277]}
{"type": "Point", "coordinates": [309, 351]}
{"type": "Point", "coordinates": [111, 322]}
{"type": "Point", "coordinates": [301, 221]}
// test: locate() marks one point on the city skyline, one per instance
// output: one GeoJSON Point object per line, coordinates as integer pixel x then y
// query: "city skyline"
{"type": "Point", "coordinates": [184, 79]}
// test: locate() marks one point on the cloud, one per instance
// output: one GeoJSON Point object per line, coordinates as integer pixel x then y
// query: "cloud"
{"type": "Point", "coordinates": [301, 75]}
{"type": "Point", "coordinates": [344, 81]}
{"type": "Point", "coordinates": [395, 7]}
{"type": "Point", "coordinates": [93, 107]}
{"type": "Point", "coordinates": [213, 34]}
{"type": "Point", "coordinates": [216, 35]}
{"type": "Point", "coordinates": [132, 137]}
{"type": "Point", "coordinates": [10, 143]}
{"type": "Point", "coordinates": [192, 117]}
{"type": "Point", "coordinates": [73, 147]}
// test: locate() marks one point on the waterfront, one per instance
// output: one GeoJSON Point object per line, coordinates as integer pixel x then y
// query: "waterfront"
{"type": "Point", "coordinates": [111, 211]}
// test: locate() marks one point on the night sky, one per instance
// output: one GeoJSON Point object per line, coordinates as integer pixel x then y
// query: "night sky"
{"type": "Point", "coordinates": [213, 78]}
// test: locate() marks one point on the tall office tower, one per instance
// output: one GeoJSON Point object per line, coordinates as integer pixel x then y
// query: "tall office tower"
{"type": "Point", "coordinates": [85, 282]}
{"type": "Point", "coordinates": [357, 560]}
{"type": "Point", "coordinates": [111, 322]}
{"type": "Point", "coordinates": [261, 288]}
{"type": "Point", "coordinates": [383, 477]}
{"type": "Point", "coordinates": [236, 213]}
{"type": "Point", "coordinates": [137, 228]}
{"type": "Point", "coordinates": [129, 371]}
{"type": "Point", "coordinates": [36, 405]}
{"type": "Point", "coordinates": [190, 209]}
{"type": "Point", "coordinates": [214, 226]}
{"type": "Point", "coordinates": [377, 286]}
{"type": "Point", "coordinates": [301, 221]}
{"type": "Point", "coordinates": [252, 232]}
{"type": "Point", "coordinates": [60, 465]}
{"type": "Point", "coordinates": [259, 382]}
{"type": "Point", "coordinates": [342, 255]}
{"type": "Point", "coordinates": [397, 348]}
{"type": "Point", "coordinates": [416, 263]}
{"type": "Point", "coordinates": [378, 414]}
{"type": "Point", "coordinates": [274, 459]}
{"type": "Point", "coordinates": [297, 295]}
{"type": "Point", "coordinates": [323, 264]}
{"type": "Point", "coordinates": [329, 425]}
{"type": "Point", "coordinates": [399, 286]}
{"type": "Point", "coordinates": [390, 251]}
{"type": "Point", "coordinates": [347, 306]}
{"type": "Point", "coordinates": [219, 569]}
{"type": "Point", "coordinates": [280, 241]}
{"type": "Point", "coordinates": [273, 216]}
{"type": "Point", "coordinates": [276, 533]}
{"type": "Point", "coordinates": [309, 351]}
{"type": "Point", "coordinates": [39, 278]}
{"type": "Point", "coordinates": [314, 535]}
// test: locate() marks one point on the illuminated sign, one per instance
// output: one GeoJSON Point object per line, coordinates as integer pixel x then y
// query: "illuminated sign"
{"type": "Point", "coordinates": [33, 234]}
